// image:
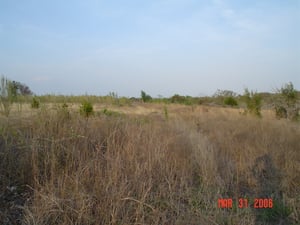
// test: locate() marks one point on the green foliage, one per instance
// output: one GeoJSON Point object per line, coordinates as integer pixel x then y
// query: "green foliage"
{"type": "Point", "coordinates": [253, 101]}
{"type": "Point", "coordinates": [65, 105]}
{"type": "Point", "coordinates": [225, 97]}
{"type": "Point", "coordinates": [286, 103]}
{"type": "Point", "coordinates": [21, 89]}
{"type": "Point", "coordinates": [108, 112]}
{"type": "Point", "coordinates": [145, 97]}
{"type": "Point", "coordinates": [289, 94]}
{"type": "Point", "coordinates": [114, 98]}
{"type": "Point", "coordinates": [166, 112]}
{"type": "Point", "coordinates": [231, 101]}
{"type": "Point", "coordinates": [35, 103]}
{"type": "Point", "coordinates": [63, 112]}
{"type": "Point", "coordinates": [280, 112]}
{"type": "Point", "coordinates": [86, 109]}
{"type": "Point", "coordinates": [187, 100]}
{"type": "Point", "coordinates": [177, 99]}
{"type": "Point", "coordinates": [277, 213]}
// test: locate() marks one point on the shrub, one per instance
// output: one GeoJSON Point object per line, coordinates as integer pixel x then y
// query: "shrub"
{"type": "Point", "coordinates": [35, 103]}
{"type": "Point", "coordinates": [225, 97]}
{"type": "Point", "coordinates": [253, 101]}
{"type": "Point", "coordinates": [177, 99]}
{"type": "Point", "coordinates": [286, 103]}
{"type": "Point", "coordinates": [289, 94]}
{"type": "Point", "coordinates": [230, 101]}
{"type": "Point", "coordinates": [108, 112]}
{"type": "Point", "coordinates": [86, 109]}
{"type": "Point", "coordinates": [187, 100]}
{"type": "Point", "coordinates": [280, 112]}
{"type": "Point", "coordinates": [63, 112]}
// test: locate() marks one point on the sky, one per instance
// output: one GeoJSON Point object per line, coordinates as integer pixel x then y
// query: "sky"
{"type": "Point", "coordinates": [164, 47]}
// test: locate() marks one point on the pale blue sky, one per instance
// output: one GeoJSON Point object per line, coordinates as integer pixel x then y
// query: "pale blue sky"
{"type": "Point", "coordinates": [163, 47]}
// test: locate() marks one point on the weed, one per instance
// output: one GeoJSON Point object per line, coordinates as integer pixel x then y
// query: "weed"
{"type": "Point", "coordinates": [279, 212]}
{"type": "Point", "coordinates": [166, 112]}
{"type": "Point", "coordinates": [35, 103]}
{"type": "Point", "coordinates": [86, 109]}
{"type": "Point", "coordinates": [110, 112]}
{"type": "Point", "coordinates": [254, 102]}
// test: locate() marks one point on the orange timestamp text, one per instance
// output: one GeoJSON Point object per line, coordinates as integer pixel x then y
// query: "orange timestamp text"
{"type": "Point", "coordinates": [258, 203]}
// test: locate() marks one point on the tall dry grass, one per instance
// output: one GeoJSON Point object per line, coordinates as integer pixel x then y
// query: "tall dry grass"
{"type": "Point", "coordinates": [59, 168]}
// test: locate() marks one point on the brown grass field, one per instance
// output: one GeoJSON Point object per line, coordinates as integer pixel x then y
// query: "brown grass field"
{"type": "Point", "coordinates": [148, 164]}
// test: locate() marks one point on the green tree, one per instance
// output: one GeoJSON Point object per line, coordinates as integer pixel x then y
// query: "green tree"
{"type": "Point", "coordinates": [145, 97]}
{"type": "Point", "coordinates": [286, 102]}
{"type": "Point", "coordinates": [226, 97]}
{"type": "Point", "coordinates": [289, 94]}
{"type": "Point", "coordinates": [21, 89]}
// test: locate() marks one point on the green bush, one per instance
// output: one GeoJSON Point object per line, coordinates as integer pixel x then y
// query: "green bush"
{"type": "Point", "coordinates": [288, 92]}
{"type": "Point", "coordinates": [108, 112]}
{"type": "Point", "coordinates": [86, 109]}
{"type": "Point", "coordinates": [253, 102]}
{"type": "Point", "coordinates": [63, 112]}
{"type": "Point", "coordinates": [286, 103]}
{"type": "Point", "coordinates": [35, 103]}
{"type": "Point", "coordinates": [230, 101]}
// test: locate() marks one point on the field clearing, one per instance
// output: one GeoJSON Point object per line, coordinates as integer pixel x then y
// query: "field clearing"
{"type": "Point", "coordinates": [147, 164]}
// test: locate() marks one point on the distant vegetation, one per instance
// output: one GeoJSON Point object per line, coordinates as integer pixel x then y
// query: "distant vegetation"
{"type": "Point", "coordinates": [11, 92]}
{"type": "Point", "coordinates": [253, 102]}
{"type": "Point", "coordinates": [284, 102]}
{"type": "Point", "coordinates": [35, 103]}
{"type": "Point", "coordinates": [86, 109]}
{"type": "Point", "coordinates": [145, 97]}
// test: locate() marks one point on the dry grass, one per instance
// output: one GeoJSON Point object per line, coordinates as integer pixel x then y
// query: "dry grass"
{"type": "Point", "coordinates": [145, 168]}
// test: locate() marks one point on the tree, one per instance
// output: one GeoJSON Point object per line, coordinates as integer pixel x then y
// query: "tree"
{"type": "Point", "coordinates": [289, 94]}
{"type": "Point", "coordinates": [286, 102]}
{"type": "Point", "coordinates": [145, 97]}
{"type": "Point", "coordinates": [226, 97]}
{"type": "Point", "coordinates": [177, 99]}
{"type": "Point", "coordinates": [225, 93]}
{"type": "Point", "coordinates": [9, 93]}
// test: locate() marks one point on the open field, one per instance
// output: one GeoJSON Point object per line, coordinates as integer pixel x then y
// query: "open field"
{"type": "Point", "coordinates": [147, 164]}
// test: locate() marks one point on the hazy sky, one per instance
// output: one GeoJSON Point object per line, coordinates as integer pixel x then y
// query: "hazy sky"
{"type": "Point", "coordinates": [189, 47]}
